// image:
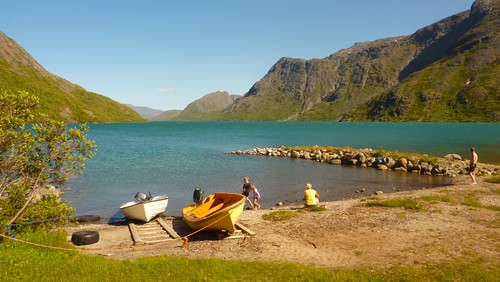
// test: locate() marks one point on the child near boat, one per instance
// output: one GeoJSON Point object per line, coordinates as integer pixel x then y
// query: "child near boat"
{"type": "Point", "coordinates": [246, 190]}
{"type": "Point", "coordinates": [256, 197]}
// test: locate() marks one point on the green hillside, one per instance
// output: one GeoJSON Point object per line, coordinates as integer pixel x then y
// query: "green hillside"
{"type": "Point", "coordinates": [59, 99]}
{"type": "Point", "coordinates": [458, 83]}
{"type": "Point", "coordinates": [447, 71]}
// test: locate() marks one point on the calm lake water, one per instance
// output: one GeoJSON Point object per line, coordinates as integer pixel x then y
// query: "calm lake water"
{"type": "Point", "coordinates": [174, 158]}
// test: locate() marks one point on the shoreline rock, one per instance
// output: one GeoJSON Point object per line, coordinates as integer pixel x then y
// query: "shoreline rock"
{"type": "Point", "coordinates": [450, 165]}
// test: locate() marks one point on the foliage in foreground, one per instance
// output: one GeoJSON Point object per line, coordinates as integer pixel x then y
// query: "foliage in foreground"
{"type": "Point", "coordinates": [21, 262]}
{"type": "Point", "coordinates": [34, 158]}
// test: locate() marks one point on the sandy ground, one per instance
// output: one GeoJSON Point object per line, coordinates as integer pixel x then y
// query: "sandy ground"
{"type": "Point", "coordinates": [347, 234]}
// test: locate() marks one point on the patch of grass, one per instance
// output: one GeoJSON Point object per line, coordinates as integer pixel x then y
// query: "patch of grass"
{"type": "Point", "coordinates": [493, 179]}
{"type": "Point", "coordinates": [402, 215]}
{"type": "Point", "coordinates": [471, 202]}
{"type": "Point", "coordinates": [279, 215]}
{"type": "Point", "coordinates": [435, 199]}
{"type": "Point", "coordinates": [313, 209]}
{"type": "Point", "coordinates": [396, 203]}
{"type": "Point", "coordinates": [493, 208]}
{"type": "Point", "coordinates": [445, 190]}
{"type": "Point", "coordinates": [474, 203]}
{"type": "Point", "coordinates": [21, 262]}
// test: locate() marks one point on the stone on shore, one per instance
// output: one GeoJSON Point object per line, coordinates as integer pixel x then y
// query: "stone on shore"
{"type": "Point", "coordinates": [451, 165]}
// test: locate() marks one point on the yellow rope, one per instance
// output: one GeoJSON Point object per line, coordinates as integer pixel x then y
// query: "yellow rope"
{"type": "Point", "coordinates": [185, 240]}
{"type": "Point", "coordinates": [39, 245]}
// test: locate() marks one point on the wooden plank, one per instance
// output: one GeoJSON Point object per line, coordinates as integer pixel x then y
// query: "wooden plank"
{"type": "Point", "coordinates": [135, 235]}
{"type": "Point", "coordinates": [168, 228]}
{"type": "Point", "coordinates": [244, 228]}
{"type": "Point", "coordinates": [149, 232]}
{"type": "Point", "coordinates": [147, 228]}
{"type": "Point", "coordinates": [159, 241]}
{"type": "Point", "coordinates": [235, 237]}
{"type": "Point", "coordinates": [155, 238]}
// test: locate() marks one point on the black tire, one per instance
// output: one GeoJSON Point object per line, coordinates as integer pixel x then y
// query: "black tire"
{"type": "Point", "coordinates": [87, 218]}
{"type": "Point", "coordinates": [85, 237]}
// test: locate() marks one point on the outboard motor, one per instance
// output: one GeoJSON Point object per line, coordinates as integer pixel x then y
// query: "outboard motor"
{"type": "Point", "coordinates": [197, 196]}
{"type": "Point", "coordinates": [141, 197]}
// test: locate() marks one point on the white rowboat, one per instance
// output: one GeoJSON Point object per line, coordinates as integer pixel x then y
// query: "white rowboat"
{"type": "Point", "coordinates": [145, 210]}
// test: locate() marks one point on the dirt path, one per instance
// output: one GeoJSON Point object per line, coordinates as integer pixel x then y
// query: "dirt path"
{"type": "Point", "coordinates": [347, 234]}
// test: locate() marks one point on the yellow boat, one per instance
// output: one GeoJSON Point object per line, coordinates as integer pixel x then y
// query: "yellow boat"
{"type": "Point", "coordinates": [218, 211]}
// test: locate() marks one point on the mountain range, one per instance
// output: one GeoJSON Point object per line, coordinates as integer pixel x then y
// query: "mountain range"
{"type": "Point", "coordinates": [446, 71]}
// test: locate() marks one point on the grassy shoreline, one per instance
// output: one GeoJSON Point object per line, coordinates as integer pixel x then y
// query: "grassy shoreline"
{"type": "Point", "coordinates": [23, 262]}
{"type": "Point", "coordinates": [29, 263]}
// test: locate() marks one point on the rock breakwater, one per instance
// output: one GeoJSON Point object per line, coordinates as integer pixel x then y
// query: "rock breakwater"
{"type": "Point", "coordinates": [450, 165]}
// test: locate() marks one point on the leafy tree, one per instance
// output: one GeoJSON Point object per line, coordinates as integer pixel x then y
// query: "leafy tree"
{"type": "Point", "coordinates": [35, 159]}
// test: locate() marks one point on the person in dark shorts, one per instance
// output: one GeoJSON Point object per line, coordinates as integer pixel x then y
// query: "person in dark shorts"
{"type": "Point", "coordinates": [473, 165]}
{"type": "Point", "coordinates": [246, 190]}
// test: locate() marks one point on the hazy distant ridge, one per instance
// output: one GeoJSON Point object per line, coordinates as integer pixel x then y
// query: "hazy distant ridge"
{"type": "Point", "coordinates": [202, 108]}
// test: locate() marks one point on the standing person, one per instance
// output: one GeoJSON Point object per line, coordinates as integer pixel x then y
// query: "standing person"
{"type": "Point", "coordinates": [473, 165]}
{"type": "Point", "coordinates": [256, 197]}
{"type": "Point", "coordinates": [246, 189]}
{"type": "Point", "coordinates": [311, 196]}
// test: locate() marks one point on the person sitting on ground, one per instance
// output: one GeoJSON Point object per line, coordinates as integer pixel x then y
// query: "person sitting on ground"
{"type": "Point", "coordinates": [256, 197]}
{"type": "Point", "coordinates": [311, 196]}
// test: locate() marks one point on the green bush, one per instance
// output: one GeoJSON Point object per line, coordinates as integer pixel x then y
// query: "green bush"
{"type": "Point", "coordinates": [34, 159]}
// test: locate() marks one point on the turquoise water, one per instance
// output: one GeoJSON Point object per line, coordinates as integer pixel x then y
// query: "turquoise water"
{"type": "Point", "coordinates": [174, 158]}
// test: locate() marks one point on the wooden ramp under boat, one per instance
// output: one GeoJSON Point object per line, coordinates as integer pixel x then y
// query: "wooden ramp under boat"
{"type": "Point", "coordinates": [163, 230]}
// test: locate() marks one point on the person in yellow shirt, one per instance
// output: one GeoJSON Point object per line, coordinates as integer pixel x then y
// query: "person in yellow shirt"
{"type": "Point", "coordinates": [311, 196]}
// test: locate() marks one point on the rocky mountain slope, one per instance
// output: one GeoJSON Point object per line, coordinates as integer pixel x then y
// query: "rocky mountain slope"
{"type": "Point", "coordinates": [447, 71]}
{"type": "Point", "coordinates": [145, 112]}
{"type": "Point", "coordinates": [59, 98]}
{"type": "Point", "coordinates": [203, 108]}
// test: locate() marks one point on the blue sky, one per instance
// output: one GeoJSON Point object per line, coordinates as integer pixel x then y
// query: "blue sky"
{"type": "Point", "coordinates": [166, 54]}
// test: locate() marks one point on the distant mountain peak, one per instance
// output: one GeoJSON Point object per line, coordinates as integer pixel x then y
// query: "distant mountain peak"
{"type": "Point", "coordinates": [15, 56]}
{"type": "Point", "coordinates": [201, 108]}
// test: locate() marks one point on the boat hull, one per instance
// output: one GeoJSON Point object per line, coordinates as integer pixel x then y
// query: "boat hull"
{"type": "Point", "coordinates": [219, 211]}
{"type": "Point", "coordinates": [145, 210]}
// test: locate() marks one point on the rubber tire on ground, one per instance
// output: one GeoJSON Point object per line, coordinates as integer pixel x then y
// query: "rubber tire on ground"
{"type": "Point", "coordinates": [85, 237]}
{"type": "Point", "coordinates": [87, 218]}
